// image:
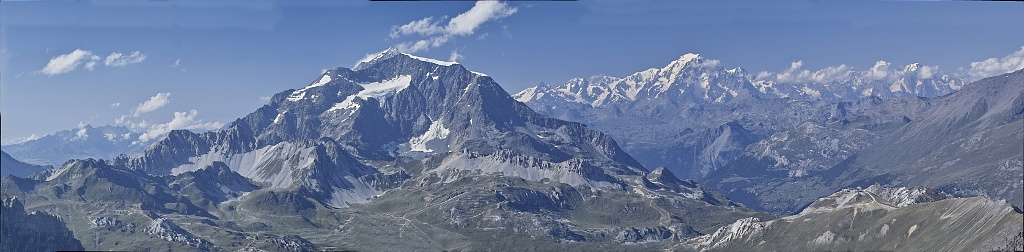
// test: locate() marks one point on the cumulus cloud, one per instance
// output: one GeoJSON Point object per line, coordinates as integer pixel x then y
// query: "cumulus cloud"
{"type": "Point", "coordinates": [796, 74]}
{"type": "Point", "coordinates": [439, 33]}
{"type": "Point", "coordinates": [153, 103]}
{"type": "Point", "coordinates": [120, 59]}
{"type": "Point", "coordinates": [181, 120]}
{"type": "Point", "coordinates": [81, 133]}
{"type": "Point", "coordinates": [880, 71]}
{"type": "Point", "coordinates": [466, 23]}
{"type": "Point", "coordinates": [927, 72]}
{"type": "Point", "coordinates": [20, 140]}
{"type": "Point", "coordinates": [423, 27]}
{"type": "Point", "coordinates": [455, 57]}
{"type": "Point", "coordinates": [156, 102]}
{"type": "Point", "coordinates": [66, 63]}
{"type": "Point", "coordinates": [90, 66]}
{"type": "Point", "coordinates": [88, 60]}
{"type": "Point", "coordinates": [116, 104]}
{"type": "Point", "coordinates": [996, 66]}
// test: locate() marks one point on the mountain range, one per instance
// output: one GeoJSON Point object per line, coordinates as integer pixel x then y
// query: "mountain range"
{"type": "Point", "coordinates": [86, 141]}
{"type": "Point", "coordinates": [694, 115]}
{"type": "Point", "coordinates": [430, 150]}
{"type": "Point", "coordinates": [967, 143]}
{"type": "Point", "coordinates": [766, 145]}
{"type": "Point", "coordinates": [407, 153]}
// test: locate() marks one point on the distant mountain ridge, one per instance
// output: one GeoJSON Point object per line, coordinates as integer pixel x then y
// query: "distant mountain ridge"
{"type": "Point", "coordinates": [696, 79]}
{"type": "Point", "coordinates": [694, 115]}
{"type": "Point", "coordinates": [967, 143]}
{"type": "Point", "coordinates": [103, 142]}
{"type": "Point", "coordinates": [15, 167]}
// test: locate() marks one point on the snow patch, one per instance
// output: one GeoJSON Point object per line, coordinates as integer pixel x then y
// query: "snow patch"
{"type": "Point", "coordinates": [380, 90]}
{"type": "Point", "coordinates": [301, 93]}
{"type": "Point", "coordinates": [376, 90]}
{"type": "Point", "coordinates": [437, 131]}
{"type": "Point", "coordinates": [280, 116]}
{"type": "Point", "coordinates": [348, 103]}
{"type": "Point", "coordinates": [443, 63]}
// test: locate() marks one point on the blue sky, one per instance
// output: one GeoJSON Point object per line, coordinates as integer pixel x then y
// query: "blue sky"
{"type": "Point", "coordinates": [201, 65]}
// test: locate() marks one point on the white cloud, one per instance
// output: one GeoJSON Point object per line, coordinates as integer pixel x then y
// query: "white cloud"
{"type": "Point", "coordinates": [483, 11]}
{"type": "Point", "coordinates": [66, 63]}
{"type": "Point", "coordinates": [455, 57]}
{"type": "Point", "coordinates": [880, 71]}
{"type": "Point", "coordinates": [423, 27]}
{"type": "Point", "coordinates": [181, 120]}
{"type": "Point", "coordinates": [795, 73]}
{"type": "Point", "coordinates": [176, 63]}
{"type": "Point", "coordinates": [81, 133]}
{"type": "Point", "coordinates": [91, 65]}
{"type": "Point", "coordinates": [120, 59]}
{"type": "Point", "coordinates": [264, 98]}
{"type": "Point", "coordinates": [156, 102]}
{"type": "Point", "coordinates": [116, 104]}
{"type": "Point", "coordinates": [927, 72]}
{"type": "Point", "coordinates": [464, 24]}
{"type": "Point", "coordinates": [993, 66]}
{"type": "Point", "coordinates": [20, 140]}
{"type": "Point", "coordinates": [424, 44]}
{"type": "Point", "coordinates": [69, 62]}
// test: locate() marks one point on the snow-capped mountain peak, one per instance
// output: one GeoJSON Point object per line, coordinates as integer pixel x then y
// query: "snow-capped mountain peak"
{"type": "Point", "coordinates": [395, 106]}
{"type": "Point", "coordinates": [688, 78]}
{"type": "Point", "coordinates": [693, 78]}
{"type": "Point", "coordinates": [688, 57]}
{"type": "Point", "coordinates": [391, 52]}
{"type": "Point", "coordinates": [387, 53]}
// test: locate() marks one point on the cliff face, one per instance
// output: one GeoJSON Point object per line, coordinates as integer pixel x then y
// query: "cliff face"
{"type": "Point", "coordinates": [38, 231]}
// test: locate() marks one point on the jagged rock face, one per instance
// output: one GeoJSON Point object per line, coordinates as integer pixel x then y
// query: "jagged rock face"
{"type": "Point", "coordinates": [38, 231]}
{"type": "Point", "coordinates": [168, 231]}
{"type": "Point", "coordinates": [878, 218]}
{"type": "Point", "coordinates": [103, 142]}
